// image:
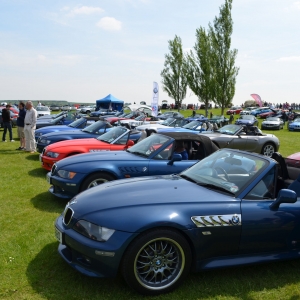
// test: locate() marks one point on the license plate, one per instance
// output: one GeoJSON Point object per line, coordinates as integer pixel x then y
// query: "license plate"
{"type": "Point", "coordinates": [48, 177]}
{"type": "Point", "coordinates": [58, 235]}
{"type": "Point", "coordinates": [40, 158]}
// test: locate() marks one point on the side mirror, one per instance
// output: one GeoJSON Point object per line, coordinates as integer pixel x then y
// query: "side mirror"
{"type": "Point", "coordinates": [284, 196]}
{"type": "Point", "coordinates": [175, 157]}
{"type": "Point", "coordinates": [242, 133]}
{"type": "Point", "coordinates": [130, 143]}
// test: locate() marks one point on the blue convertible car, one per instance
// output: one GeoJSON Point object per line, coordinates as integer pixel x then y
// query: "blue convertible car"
{"type": "Point", "coordinates": [229, 209]}
{"type": "Point", "coordinates": [294, 125]}
{"type": "Point", "coordinates": [78, 124]}
{"type": "Point", "coordinates": [155, 155]}
{"type": "Point", "coordinates": [91, 131]}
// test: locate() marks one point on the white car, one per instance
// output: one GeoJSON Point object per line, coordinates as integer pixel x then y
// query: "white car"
{"type": "Point", "coordinates": [43, 111]}
{"type": "Point", "coordinates": [170, 122]}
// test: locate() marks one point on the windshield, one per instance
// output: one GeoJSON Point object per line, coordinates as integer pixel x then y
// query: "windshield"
{"type": "Point", "coordinates": [216, 117]}
{"type": "Point", "coordinates": [192, 125]}
{"type": "Point", "coordinates": [147, 146]}
{"type": "Point", "coordinates": [226, 170]}
{"type": "Point", "coordinates": [168, 121]}
{"type": "Point", "coordinates": [76, 123]}
{"type": "Point", "coordinates": [297, 120]}
{"type": "Point", "coordinates": [56, 120]}
{"type": "Point", "coordinates": [112, 135]}
{"type": "Point", "coordinates": [247, 117]}
{"type": "Point", "coordinates": [96, 126]}
{"type": "Point", "coordinates": [229, 129]}
{"type": "Point", "coordinates": [273, 119]}
{"type": "Point", "coordinates": [42, 108]}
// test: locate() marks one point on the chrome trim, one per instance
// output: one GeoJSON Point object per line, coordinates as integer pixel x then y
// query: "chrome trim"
{"type": "Point", "coordinates": [68, 209]}
{"type": "Point", "coordinates": [217, 220]}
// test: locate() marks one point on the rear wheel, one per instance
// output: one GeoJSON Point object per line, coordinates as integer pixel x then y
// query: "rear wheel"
{"type": "Point", "coordinates": [95, 180]}
{"type": "Point", "coordinates": [268, 149]}
{"type": "Point", "coordinates": [157, 262]}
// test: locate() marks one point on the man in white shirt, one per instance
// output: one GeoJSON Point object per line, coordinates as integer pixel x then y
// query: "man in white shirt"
{"type": "Point", "coordinates": [29, 127]}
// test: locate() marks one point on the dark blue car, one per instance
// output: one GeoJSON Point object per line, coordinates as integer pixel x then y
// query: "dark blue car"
{"type": "Point", "coordinates": [247, 120]}
{"type": "Point", "coordinates": [229, 209]}
{"type": "Point", "coordinates": [78, 124]}
{"type": "Point", "coordinates": [61, 120]}
{"type": "Point", "coordinates": [91, 131]}
{"type": "Point", "coordinates": [154, 155]}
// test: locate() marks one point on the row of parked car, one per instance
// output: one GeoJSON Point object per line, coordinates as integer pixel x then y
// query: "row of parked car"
{"type": "Point", "coordinates": [137, 208]}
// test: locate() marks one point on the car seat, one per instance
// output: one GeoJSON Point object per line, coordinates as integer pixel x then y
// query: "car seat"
{"type": "Point", "coordinates": [283, 173]}
{"type": "Point", "coordinates": [295, 186]}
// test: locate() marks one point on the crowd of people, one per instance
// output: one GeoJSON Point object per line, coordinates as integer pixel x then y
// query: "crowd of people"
{"type": "Point", "coordinates": [26, 125]}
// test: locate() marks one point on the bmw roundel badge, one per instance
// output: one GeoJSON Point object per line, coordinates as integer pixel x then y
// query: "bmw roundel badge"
{"type": "Point", "coordinates": [235, 219]}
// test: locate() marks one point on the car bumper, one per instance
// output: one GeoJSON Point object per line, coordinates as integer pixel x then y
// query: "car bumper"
{"type": "Point", "coordinates": [47, 162]}
{"type": "Point", "coordinates": [91, 258]}
{"type": "Point", "coordinates": [62, 188]}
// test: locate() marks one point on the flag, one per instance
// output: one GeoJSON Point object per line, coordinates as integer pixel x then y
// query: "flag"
{"type": "Point", "coordinates": [154, 103]}
{"type": "Point", "coordinates": [257, 99]}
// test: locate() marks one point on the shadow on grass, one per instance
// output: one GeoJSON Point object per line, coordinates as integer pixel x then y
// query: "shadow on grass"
{"type": "Point", "coordinates": [38, 172]}
{"type": "Point", "coordinates": [52, 278]}
{"type": "Point", "coordinates": [32, 156]}
{"type": "Point", "coordinates": [48, 202]}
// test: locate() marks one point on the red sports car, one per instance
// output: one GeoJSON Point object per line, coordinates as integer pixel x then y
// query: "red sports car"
{"type": "Point", "coordinates": [293, 160]}
{"type": "Point", "coordinates": [118, 138]}
{"type": "Point", "coordinates": [234, 110]}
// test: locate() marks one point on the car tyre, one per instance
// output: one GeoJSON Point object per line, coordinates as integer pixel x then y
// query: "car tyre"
{"type": "Point", "coordinates": [95, 180]}
{"type": "Point", "coordinates": [268, 149]}
{"type": "Point", "coordinates": [156, 262]}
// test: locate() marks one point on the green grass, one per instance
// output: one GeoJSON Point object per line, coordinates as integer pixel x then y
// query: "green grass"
{"type": "Point", "coordinates": [31, 268]}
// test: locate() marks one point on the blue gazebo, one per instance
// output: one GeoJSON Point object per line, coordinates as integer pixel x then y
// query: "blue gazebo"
{"type": "Point", "coordinates": [110, 102]}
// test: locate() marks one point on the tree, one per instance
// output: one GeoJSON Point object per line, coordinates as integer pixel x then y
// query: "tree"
{"type": "Point", "coordinates": [173, 76]}
{"type": "Point", "coordinates": [199, 69]}
{"type": "Point", "coordinates": [222, 58]}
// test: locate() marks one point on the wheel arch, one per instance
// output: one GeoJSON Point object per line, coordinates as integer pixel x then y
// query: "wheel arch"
{"type": "Point", "coordinates": [105, 171]}
{"type": "Point", "coordinates": [167, 227]}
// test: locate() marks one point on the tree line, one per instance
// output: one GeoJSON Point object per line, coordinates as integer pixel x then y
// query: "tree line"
{"type": "Point", "coordinates": [209, 69]}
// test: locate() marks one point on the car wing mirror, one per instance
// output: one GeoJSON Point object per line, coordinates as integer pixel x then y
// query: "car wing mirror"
{"type": "Point", "coordinates": [284, 196]}
{"type": "Point", "coordinates": [175, 157]}
{"type": "Point", "coordinates": [130, 143]}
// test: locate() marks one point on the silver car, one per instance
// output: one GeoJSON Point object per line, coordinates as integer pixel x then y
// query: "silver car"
{"type": "Point", "coordinates": [272, 123]}
{"type": "Point", "coordinates": [244, 138]}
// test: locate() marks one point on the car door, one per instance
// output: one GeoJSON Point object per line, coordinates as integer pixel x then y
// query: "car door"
{"type": "Point", "coordinates": [160, 164]}
{"type": "Point", "coordinates": [264, 229]}
{"type": "Point", "coordinates": [233, 141]}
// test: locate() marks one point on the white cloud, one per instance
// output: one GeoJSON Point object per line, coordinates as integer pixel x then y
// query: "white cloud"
{"type": "Point", "coordinates": [108, 23]}
{"type": "Point", "coordinates": [289, 59]}
{"type": "Point", "coordinates": [296, 4]}
{"type": "Point", "coordinates": [86, 10]}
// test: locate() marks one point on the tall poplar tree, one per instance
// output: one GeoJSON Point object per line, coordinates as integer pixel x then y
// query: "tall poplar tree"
{"type": "Point", "coordinates": [173, 75]}
{"type": "Point", "coordinates": [199, 69]}
{"type": "Point", "coordinates": [222, 57]}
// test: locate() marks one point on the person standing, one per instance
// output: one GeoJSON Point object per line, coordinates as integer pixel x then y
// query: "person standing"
{"type": "Point", "coordinates": [6, 118]}
{"type": "Point", "coordinates": [29, 127]}
{"type": "Point", "coordinates": [20, 124]}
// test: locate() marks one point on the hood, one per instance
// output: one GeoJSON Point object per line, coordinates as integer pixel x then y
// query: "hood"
{"type": "Point", "coordinates": [295, 156]}
{"type": "Point", "coordinates": [56, 127]}
{"type": "Point", "coordinates": [140, 192]}
{"type": "Point", "coordinates": [81, 159]}
{"type": "Point", "coordinates": [89, 143]}
{"type": "Point", "coordinates": [73, 132]}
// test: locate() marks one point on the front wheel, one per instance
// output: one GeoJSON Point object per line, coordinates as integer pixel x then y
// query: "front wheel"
{"type": "Point", "coordinates": [95, 180]}
{"type": "Point", "coordinates": [268, 149]}
{"type": "Point", "coordinates": [157, 262]}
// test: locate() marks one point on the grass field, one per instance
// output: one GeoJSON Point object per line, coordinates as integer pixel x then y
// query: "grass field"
{"type": "Point", "coordinates": [31, 268]}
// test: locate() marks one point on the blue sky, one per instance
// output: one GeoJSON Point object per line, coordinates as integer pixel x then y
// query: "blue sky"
{"type": "Point", "coordinates": [83, 51]}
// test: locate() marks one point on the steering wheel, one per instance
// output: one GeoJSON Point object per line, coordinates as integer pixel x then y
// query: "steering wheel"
{"type": "Point", "coordinates": [222, 171]}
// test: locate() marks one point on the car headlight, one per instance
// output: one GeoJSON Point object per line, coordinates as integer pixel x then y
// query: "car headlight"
{"type": "Point", "coordinates": [44, 141]}
{"type": "Point", "coordinates": [93, 231]}
{"type": "Point", "coordinates": [52, 154]}
{"type": "Point", "coordinates": [66, 174]}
